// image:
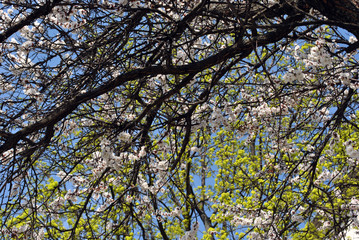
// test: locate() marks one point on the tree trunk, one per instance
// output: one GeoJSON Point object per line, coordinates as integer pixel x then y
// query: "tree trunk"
{"type": "Point", "coordinates": [345, 12]}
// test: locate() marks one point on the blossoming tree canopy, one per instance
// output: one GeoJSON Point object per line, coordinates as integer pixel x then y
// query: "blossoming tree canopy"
{"type": "Point", "coordinates": [203, 119]}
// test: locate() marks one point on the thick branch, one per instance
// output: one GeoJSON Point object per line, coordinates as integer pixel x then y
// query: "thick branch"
{"type": "Point", "coordinates": [227, 53]}
{"type": "Point", "coordinates": [36, 14]}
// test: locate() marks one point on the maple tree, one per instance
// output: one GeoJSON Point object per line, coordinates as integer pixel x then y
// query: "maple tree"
{"type": "Point", "coordinates": [179, 119]}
